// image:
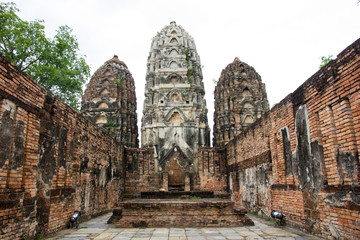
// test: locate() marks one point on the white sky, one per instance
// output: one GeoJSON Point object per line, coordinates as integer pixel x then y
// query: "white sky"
{"type": "Point", "coordinates": [282, 39]}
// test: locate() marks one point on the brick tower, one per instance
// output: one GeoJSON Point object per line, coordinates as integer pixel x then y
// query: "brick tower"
{"type": "Point", "coordinates": [175, 114]}
{"type": "Point", "coordinates": [240, 99]}
{"type": "Point", "coordinates": [110, 101]}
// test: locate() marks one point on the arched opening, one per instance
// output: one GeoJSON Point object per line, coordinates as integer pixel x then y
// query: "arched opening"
{"type": "Point", "coordinates": [248, 105]}
{"type": "Point", "coordinates": [175, 98]}
{"type": "Point", "coordinates": [174, 80]}
{"type": "Point", "coordinates": [107, 73]}
{"type": "Point", "coordinates": [100, 120]}
{"type": "Point", "coordinates": [173, 65]}
{"type": "Point", "coordinates": [175, 174]}
{"type": "Point", "coordinates": [249, 119]}
{"type": "Point", "coordinates": [174, 41]}
{"type": "Point", "coordinates": [174, 53]}
{"type": "Point", "coordinates": [105, 82]}
{"type": "Point", "coordinates": [173, 32]}
{"type": "Point", "coordinates": [244, 82]}
{"type": "Point", "coordinates": [176, 118]}
{"type": "Point", "coordinates": [103, 105]}
{"type": "Point", "coordinates": [104, 93]}
{"type": "Point", "coordinates": [246, 92]}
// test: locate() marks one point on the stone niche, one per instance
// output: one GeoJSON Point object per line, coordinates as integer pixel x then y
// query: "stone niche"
{"type": "Point", "coordinates": [176, 171]}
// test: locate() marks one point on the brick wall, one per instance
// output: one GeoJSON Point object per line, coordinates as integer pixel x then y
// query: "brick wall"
{"type": "Point", "coordinates": [212, 170]}
{"type": "Point", "coordinates": [140, 172]}
{"type": "Point", "coordinates": [288, 198]}
{"type": "Point", "coordinates": [307, 148]}
{"type": "Point", "coordinates": [141, 175]}
{"type": "Point", "coordinates": [300, 158]}
{"type": "Point", "coordinates": [52, 160]}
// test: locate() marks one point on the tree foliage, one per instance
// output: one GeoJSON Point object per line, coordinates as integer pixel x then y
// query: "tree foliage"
{"type": "Point", "coordinates": [54, 63]}
{"type": "Point", "coordinates": [325, 60]}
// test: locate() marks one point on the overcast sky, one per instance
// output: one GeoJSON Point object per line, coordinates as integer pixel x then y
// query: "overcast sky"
{"type": "Point", "coordinates": [282, 39]}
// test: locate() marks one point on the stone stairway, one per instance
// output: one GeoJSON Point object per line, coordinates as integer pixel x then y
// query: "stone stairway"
{"type": "Point", "coordinates": [179, 209]}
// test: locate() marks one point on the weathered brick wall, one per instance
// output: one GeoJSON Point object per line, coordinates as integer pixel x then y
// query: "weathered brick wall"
{"type": "Point", "coordinates": [110, 101]}
{"type": "Point", "coordinates": [301, 158]}
{"type": "Point", "coordinates": [288, 198]}
{"type": "Point", "coordinates": [140, 172]}
{"type": "Point", "coordinates": [188, 213]}
{"type": "Point", "coordinates": [307, 148]}
{"type": "Point", "coordinates": [52, 160]}
{"type": "Point", "coordinates": [250, 168]}
{"type": "Point", "coordinates": [212, 170]}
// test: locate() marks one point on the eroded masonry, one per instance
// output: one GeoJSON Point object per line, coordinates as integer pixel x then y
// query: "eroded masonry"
{"type": "Point", "coordinates": [300, 158]}
{"type": "Point", "coordinates": [174, 119]}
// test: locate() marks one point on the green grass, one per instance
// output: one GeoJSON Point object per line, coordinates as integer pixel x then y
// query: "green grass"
{"type": "Point", "coordinates": [195, 197]}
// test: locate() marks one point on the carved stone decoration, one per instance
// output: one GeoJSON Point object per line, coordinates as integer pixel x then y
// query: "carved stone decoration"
{"type": "Point", "coordinates": [173, 77]}
{"type": "Point", "coordinates": [110, 101]}
{"type": "Point", "coordinates": [240, 99]}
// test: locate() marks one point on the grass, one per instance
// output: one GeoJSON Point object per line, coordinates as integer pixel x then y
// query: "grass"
{"type": "Point", "coordinates": [191, 197]}
{"type": "Point", "coordinates": [195, 197]}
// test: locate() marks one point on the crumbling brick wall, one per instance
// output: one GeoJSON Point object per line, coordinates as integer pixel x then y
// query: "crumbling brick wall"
{"type": "Point", "coordinates": [52, 160]}
{"type": "Point", "coordinates": [140, 175]}
{"type": "Point", "coordinates": [212, 170]}
{"type": "Point", "coordinates": [301, 158]}
{"type": "Point", "coordinates": [250, 167]}
{"type": "Point", "coordinates": [304, 153]}
{"type": "Point", "coordinates": [109, 100]}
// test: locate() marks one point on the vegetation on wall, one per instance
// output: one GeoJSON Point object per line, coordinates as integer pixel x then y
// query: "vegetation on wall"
{"type": "Point", "coordinates": [110, 126]}
{"type": "Point", "coordinates": [118, 81]}
{"type": "Point", "coordinates": [191, 73]}
{"type": "Point", "coordinates": [54, 63]}
{"type": "Point", "coordinates": [325, 60]}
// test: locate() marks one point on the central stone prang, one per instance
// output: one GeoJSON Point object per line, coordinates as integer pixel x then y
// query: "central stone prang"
{"type": "Point", "coordinates": [174, 118]}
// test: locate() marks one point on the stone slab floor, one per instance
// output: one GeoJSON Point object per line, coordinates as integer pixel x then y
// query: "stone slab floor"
{"type": "Point", "coordinates": [98, 229]}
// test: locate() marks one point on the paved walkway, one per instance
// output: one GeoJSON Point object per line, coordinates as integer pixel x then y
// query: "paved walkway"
{"type": "Point", "coordinates": [98, 229]}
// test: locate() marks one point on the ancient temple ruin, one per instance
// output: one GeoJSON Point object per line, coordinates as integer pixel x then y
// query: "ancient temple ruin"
{"type": "Point", "coordinates": [174, 132]}
{"type": "Point", "coordinates": [301, 157]}
{"type": "Point", "coordinates": [174, 119]}
{"type": "Point", "coordinates": [110, 101]}
{"type": "Point", "coordinates": [240, 99]}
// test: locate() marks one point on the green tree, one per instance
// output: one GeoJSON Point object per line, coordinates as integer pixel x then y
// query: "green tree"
{"type": "Point", "coordinates": [325, 60]}
{"type": "Point", "coordinates": [54, 63]}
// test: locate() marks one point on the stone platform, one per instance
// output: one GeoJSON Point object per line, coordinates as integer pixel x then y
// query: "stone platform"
{"type": "Point", "coordinates": [176, 194]}
{"type": "Point", "coordinates": [207, 212]}
{"type": "Point", "coordinates": [97, 228]}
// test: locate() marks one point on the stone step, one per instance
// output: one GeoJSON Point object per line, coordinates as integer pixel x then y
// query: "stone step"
{"type": "Point", "coordinates": [208, 212]}
{"type": "Point", "coordinates": [177, 194]}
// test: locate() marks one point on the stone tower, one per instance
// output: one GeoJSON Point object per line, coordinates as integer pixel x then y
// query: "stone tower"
{"type": "Point", "coordinates": [240, 99]}
{"type": "Point", "coordinates": [175, 114]}
{"type": "Point", "coordinates": [110, 101]}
